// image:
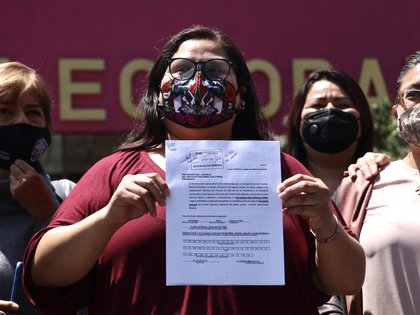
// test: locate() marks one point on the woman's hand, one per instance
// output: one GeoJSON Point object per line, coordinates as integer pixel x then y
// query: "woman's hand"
{"type": "Point", "coordinates": [310, 198]}
{"type": "Point", "coordinates": [340, 259]}
{"type": "Point", "coordinates": [8, 307]}
{"type": "Point", "coordinates": [136, 195]}
{"type": "Point", "coordinates": [31, 191]}
{"type": "Point", "coordinates": [370, 165]}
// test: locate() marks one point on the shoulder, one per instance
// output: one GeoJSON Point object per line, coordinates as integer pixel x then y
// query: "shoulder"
{"type": "Point", "coordinates": [119, 157]}
{"type": "Point", "coordinates": [118, 160]}
{"type": "Point", "coordinates": [396, 174]}
{"type": "Point", "coordinates": [395, 168]}
{"type": "Point", "coordinates": [115, 166]}
{"type": "Point", "coordinates": [359, 184]}
{"type": "Point", "coordinates": [96, 186]}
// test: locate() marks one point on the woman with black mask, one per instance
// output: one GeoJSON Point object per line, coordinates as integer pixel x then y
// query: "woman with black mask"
{"type": "Point", "coordinates": [27, 196]}
{"type": "Point", "coordinates": [329, 127]}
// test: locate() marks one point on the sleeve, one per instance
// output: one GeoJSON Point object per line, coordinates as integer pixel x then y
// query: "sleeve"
{"type": "Point", "coordinates": [53, 301]}
{"type": "Point", "coordinates": [353, 200]}
{"type": "Point", "coordinates": [289, 167]}
{"type": "Point", "coordinates": [92, 193]}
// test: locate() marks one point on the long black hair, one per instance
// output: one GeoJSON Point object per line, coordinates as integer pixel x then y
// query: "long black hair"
{"type": "Point", "coordinates": [150, 130]}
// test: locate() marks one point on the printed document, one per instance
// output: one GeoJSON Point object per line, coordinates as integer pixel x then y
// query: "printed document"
{"type": "Point", "coordinates": [223, 216]}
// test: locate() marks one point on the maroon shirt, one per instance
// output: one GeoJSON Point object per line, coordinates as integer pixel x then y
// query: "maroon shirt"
{"type": "Point", "coordinates": [129, 277]}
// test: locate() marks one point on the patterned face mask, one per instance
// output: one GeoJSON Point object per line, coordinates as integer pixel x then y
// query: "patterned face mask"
{"type": "Point", "coordinates": [199, 102]}
{"type": "Point", "coordinates": [409, 125]}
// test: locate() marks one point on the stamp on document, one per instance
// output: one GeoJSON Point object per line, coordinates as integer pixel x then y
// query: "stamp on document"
{"type": "Point", "coordinates": [205, 159]}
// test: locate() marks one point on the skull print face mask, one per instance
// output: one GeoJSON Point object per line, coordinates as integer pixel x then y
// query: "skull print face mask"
{"type": "Point", "coordinates": [199, 102]}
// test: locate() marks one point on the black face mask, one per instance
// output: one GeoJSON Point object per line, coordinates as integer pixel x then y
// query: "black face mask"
{"type": "Point", "coordinates": [24, 142]}
{"type": "Point", "coordinates": [329, 130]}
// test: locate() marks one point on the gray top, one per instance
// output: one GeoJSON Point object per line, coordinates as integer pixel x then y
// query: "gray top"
{"type": "Point", "coordinates": [16, 229]}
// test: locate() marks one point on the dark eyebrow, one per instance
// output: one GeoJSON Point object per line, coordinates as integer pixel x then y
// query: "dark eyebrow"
{"type": "Point", "coordinates": [7, 102]}
{"type": "Point", "coordinates": [342, 98]}
{"type": "Point", "coordinates": [414, 86]}
{"type": "Point", "coordinates": [34, 106]}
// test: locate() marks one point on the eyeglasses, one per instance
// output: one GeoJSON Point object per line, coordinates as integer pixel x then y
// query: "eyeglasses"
{"type": "Point", "coordinates": [184, 69]}
{"type": "Point", "coordinates": [409, 98]}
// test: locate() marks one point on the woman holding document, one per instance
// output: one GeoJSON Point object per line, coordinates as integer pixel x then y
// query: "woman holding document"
{"type": "Point", "coordinates": [109, 235]}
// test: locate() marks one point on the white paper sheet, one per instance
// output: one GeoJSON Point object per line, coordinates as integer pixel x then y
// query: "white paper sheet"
{"type": "Point", "coordinates": [224, 217]}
